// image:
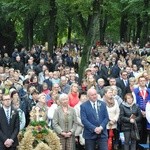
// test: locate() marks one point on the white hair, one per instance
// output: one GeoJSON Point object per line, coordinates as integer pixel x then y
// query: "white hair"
{"type": "Point", "coordinates": [63, 96]}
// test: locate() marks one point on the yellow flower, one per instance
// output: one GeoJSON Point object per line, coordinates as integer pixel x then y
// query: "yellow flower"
{"type": "Point", "coordinates": [39, 136]}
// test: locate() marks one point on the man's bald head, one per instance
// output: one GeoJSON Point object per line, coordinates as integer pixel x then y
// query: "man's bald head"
{"type": "Point", "coordinates": [92, 94]}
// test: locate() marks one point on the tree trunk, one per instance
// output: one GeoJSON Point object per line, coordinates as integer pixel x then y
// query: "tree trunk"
{"type": "Point", "coordinates": [145, 23]}
{"type": "Point", "coordinates": [123, 27]}
{"type": "Point", "coordinates": [56, 33]}
{"type": "Point", "coordinates": [89, 31]}
{"type": "Point", "coordinates": [145, 29]}
{"type": "Point", "coordinates": [129, 33]}
{"type": "Point", "coordinates": [139, 26]}
{"type": "Point", "coordinates": [26, 41]}
{"type": "Point", "coordinates": [69, 28]}
{"type": "Point", "coordinates": [52, 24]}
{"type": "Point", "coordinates": [89, 42]}
{"type": "Point", "coordinates": [30, 33]}
{"type": "Point", "coordinates": [103, 25]}
{"type": "Point", "coordinates": [134, 34]}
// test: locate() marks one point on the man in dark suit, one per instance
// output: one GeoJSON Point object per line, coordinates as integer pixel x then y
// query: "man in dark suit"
{"type": "Point", "coordinates": [94, 117]}
{"type": "Point", "coordinates": [106, 72]}
{"type": "Point", "coordinates": [147, 78]}
{"type": "Point", "coordinates": [116, 69]}
{"type": "Point", "coordinates": [9, 125]}
{"type": "Point", "coordinates": [123, 82]}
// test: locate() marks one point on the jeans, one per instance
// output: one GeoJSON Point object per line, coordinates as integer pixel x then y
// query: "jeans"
{"type": "Point", "coordinates": [99, 144]}
{"type": "Point", "coordinates": [129, 144]}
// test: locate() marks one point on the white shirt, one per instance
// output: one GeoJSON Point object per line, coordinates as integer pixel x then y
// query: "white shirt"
{"type": "Point", "coordinates": [147, 109]}
{"type": "Point", "coordinates": [136, 74]}
{"type": "Point", "coordinates": [51, 111]}
{"type": "Point", "coordinates": [125, 82]}
{"type": "Point", "coordinates": [92, 103]}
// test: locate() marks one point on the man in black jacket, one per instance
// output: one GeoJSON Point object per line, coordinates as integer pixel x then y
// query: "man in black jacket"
{"type": "Point", "coordinates": [9, 125]}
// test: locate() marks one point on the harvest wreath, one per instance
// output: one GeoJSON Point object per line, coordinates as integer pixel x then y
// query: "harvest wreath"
{"type": "Point", "coordinates": [37, 136]}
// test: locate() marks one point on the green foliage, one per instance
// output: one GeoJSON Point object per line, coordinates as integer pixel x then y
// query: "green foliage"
{"type": "Point", "coordinates": [19, 11]}
{"type": "Point", "coordinates": [36, 123]}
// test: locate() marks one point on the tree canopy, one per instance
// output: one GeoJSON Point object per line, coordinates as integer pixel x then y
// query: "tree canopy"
{"type": "Point", "coordinates": [28, 22]}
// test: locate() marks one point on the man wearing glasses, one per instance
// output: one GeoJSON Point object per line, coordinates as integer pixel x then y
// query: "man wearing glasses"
{"type": "Point", "coordinates": [123, 82]}
{"type": "Point", "coordinates": [9, 125]}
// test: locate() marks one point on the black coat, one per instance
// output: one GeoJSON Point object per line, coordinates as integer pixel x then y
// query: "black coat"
{"type": "Point", "coordinates": [18, 66]}
{"type": "Point", "coordinates": [106, 73]}
{"type": "Point", "coordinates": [9, 131]}
{"type": "Point", "coordinates": [125, 114]}
{"type": "Point", "coordinates": [121, 85]}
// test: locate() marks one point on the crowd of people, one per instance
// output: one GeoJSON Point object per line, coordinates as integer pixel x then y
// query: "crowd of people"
{"type": "Point", "coordinates": [86, 113]}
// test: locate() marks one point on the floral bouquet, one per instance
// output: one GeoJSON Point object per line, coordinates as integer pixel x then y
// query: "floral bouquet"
{"type": "Point", "coordinates": [37, 136]}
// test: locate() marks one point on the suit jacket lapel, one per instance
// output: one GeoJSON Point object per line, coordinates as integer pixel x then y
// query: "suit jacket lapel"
{"type": "Point", "coordinates": [4, 115]}
{"type": "Point", "coordinates": [11, 114]}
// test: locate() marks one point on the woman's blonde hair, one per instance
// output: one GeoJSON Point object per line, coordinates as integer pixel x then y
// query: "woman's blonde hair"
{"type": "Point", "coordinates": [72, 86]}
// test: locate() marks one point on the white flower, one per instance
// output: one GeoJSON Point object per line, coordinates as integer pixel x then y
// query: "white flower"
{"type": "Point", "coordinates": [12, 113]}
{"type": "Point", "coordinates": [98, 105]}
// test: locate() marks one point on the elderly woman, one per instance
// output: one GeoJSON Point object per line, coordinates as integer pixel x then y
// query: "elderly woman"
{"type": "Point", "coordinates": [64, 123]}
{"type": "Point", "coordinates": [113, 113]}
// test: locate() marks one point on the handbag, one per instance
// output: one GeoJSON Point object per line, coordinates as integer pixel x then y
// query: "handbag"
{"type": "Point", "coordinates": [135, 132]}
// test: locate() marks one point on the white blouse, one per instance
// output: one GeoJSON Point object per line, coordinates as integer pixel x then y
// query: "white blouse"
{"type": "Point", "coordinates": [113, 113]}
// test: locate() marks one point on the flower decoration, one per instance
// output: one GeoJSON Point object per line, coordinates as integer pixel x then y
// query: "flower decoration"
{"type": "Point", "coordinates": [98, 105]}
{"type": "Point", "coordinates": [12, 113]}
{"type": "Point", "coordinates": [37, 136]}
{"type": "Point", "coordinates": [37, 114]}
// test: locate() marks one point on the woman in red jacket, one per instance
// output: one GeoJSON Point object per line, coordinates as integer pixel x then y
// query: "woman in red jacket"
{"type": "Point", "coordinates": [73, 94]}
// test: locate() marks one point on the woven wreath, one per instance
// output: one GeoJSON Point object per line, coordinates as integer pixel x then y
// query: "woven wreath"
{"type": "Point", "coordinates": [37, 137]}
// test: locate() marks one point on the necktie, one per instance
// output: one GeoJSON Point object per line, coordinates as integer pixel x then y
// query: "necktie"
{"type": "Point", "coordinates": [8, 116]}
{"type": "Point", "coordinates": [143, 94]}
{"type": "Point", "coordinates": [94, 107]}
{"type": "Point", "coordinates": [126, 82]}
